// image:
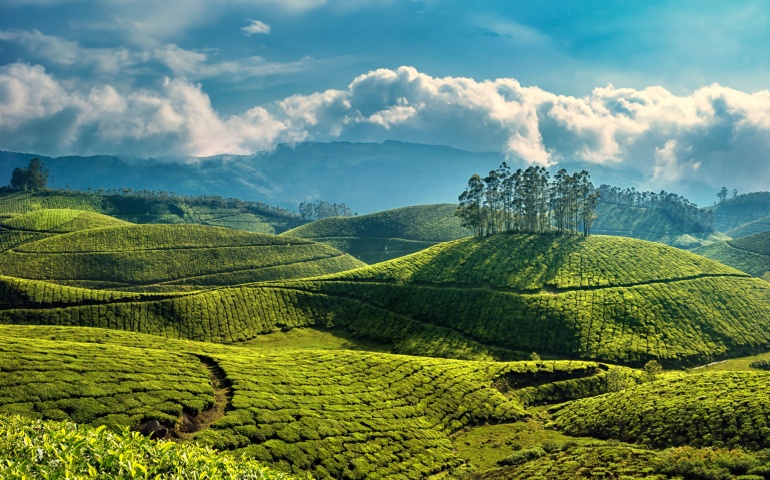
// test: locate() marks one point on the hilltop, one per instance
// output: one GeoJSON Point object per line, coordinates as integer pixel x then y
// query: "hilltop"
{"type": "Point", "coordinates": [386, 235]}
{"type": "Point", "coordinates": [750, 254]}
{"type": "Point", "coordinates": [173, 256]}
{"type": "Point", "coordinates": [500, 297]}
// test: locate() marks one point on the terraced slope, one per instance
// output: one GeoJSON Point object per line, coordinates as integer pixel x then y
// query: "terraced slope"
{"type": "Point", "coordinates": [750, 254]}
{"type": "Point", "coordinates": [498, 298]}
{"type": "Point", "coordinates": [711, 409]}
{"type": "Point", "coordinates": [743, 215]}
{"type": "Point", "coordinates": [162, 255]}
{"type": "Point", "coordinates": [39, 224]}
{"type": "Point", "coordinates": [648, 224]}
{"type": "Point", "coordinates": [386, 235]}
{"type": "Point", "coordinates": [337, 414]}
{"type": "Point", "coordinates": [155, 208]}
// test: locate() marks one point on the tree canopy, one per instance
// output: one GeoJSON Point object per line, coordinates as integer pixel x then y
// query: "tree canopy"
{"type": "Point", "coordinates": [526, 201]}
{"type": "Point", "coordinates": [34, 177]}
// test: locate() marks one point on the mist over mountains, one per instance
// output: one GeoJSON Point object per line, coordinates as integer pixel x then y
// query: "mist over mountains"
{"type": "Point", "coordinates": [367, 177]}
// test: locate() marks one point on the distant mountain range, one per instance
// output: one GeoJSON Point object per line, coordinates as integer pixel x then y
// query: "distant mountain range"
{"type": "Point", "coordinates": [367, 177]}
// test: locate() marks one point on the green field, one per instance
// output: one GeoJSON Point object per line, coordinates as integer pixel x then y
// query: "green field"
{"type": "Point", "coordinates": [737, 216]}
{"type": "Point", "coordinates": [386, 235]}
{"type": "Point", "coordinates": [750, 254]}
{"type": "Point", "coordinates": [144, 256]}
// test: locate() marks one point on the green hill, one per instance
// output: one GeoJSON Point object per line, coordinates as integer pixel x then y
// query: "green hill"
{"type": "Point", "coordinates": [154, 207]}
{"type": "Point", "coordinates": [39, 224]}
{"type": "Point", "coordinates": [648, 224]}
{"type": "Point", "coordinates": [501, 297]}
{"type": "Point", "coordinates": [129, 256]}
{"type": "Point", "coordinates": [750, 254]}
{"type": "Point", "coordinates": [737, 216]}
{"type": "Point", "coordinates": [729, 409]}
{"type": "Point", "coordinates": [336, 414]}
{"type": "Point", "coordinates": [386, 235]}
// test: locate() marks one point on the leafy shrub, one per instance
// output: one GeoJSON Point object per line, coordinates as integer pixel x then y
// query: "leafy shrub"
{"type": "Point", "coordinates": [704, 464]}
{"type": "Point", "coordinates": [760, 365]}
{"type": "Point", "coordinates": [522, 456]}
{"type": "Point", "coordinates": [38, 449]}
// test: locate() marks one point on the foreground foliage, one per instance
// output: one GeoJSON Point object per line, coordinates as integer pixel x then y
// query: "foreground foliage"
{"type": "Point", "coordinates": [34, 449]}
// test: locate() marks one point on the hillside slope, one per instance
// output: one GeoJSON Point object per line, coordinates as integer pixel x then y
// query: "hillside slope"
{"type": "Point", "coordinates": [39, 224]}
{"type": "Point", "coordinates": [743, 215]}
{"type": "Point", "coordinates": [131, 256]}
{"type": "Point", "coordinates": [647, 224]}
{"type": "Point", "coordinates": [750, 254]}
{"type": "Point", "coordinates": [154, 207]}
{"type": "Point", "coordinates": [501, 297]}
{"type": "Point", "coordinates": [386, 235]}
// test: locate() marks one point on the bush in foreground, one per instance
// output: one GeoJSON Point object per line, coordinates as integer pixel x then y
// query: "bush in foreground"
{"type": "Point", "coordinates": [37, 449]}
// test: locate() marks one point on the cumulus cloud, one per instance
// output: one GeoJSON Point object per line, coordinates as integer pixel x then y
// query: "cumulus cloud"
{"type": "Point", "coordinates": [714, 133]}
{"type": "Point", "coordinates": [256, 27]}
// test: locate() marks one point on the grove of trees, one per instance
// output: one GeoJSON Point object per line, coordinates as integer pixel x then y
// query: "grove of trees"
{"type": "Point", "coordinates": [34, 177]}
{"type": "Point", "coordinates": [320, 209]}
{"type": "Point", "coordinates": [527, 201]}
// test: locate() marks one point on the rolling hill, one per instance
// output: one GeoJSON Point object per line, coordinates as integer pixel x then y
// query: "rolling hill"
{"type": "Point", "coordinates": [39, 224]}
{"type": "Point", "coordinates": [750, 254]}
{"type": "Point", "coordinates": [743, 215]}
{"type": "Point", "coordinates": [501, 297]}
{"type": "Point", "coordinates": [145, 256]}
{"type": "Point", "coordinates": [648, 224]}
{"type": "Point", "coordinates": [386, 235]}
{"type": "Point", "coordinates": [153, 207]}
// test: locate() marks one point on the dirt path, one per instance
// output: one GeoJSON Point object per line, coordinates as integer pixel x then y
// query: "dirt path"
{"type": "Point", "coordinates": [223, 397]}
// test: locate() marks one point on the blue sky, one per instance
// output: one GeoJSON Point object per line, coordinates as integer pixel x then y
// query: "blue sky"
{"type": "Point", "coordinates": [676, 89]}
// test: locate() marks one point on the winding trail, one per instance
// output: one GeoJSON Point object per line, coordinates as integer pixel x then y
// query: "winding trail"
{"type": "Point", "coordinates": [223, 398]}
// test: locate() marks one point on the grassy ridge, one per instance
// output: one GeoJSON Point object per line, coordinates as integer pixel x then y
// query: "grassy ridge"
{"type": "Point", "coordinates": [750, 254]}
{"type": "Point", "coordinates": [337, 414]}
{"type": "Point", "coordinates": [720, 409]}
{"type": "Point", "coordinates": [385, 235]}
{"type": "Point", "coordinates": [48, 449]}
{"type": "Point", "coordinates": [140, 255]}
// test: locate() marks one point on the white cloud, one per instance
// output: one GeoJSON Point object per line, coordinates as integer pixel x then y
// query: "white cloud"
{"type": "Point", "coordinates": [713, 134]}
{"type": "Point", "coordinates": [256, 27]}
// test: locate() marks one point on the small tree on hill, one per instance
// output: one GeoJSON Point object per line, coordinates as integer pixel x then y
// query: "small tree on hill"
{"type": "Point", "coordinates": [652, 369]}
{"type": "Point", "coordinates": [34, 177]}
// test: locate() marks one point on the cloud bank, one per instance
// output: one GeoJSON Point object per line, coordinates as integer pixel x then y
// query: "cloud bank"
{"type": "Point", "coordinates": [714, 133]}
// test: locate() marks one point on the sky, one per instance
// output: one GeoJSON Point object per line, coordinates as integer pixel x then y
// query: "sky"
{"type": "Point", "coordinates": [677, 90]}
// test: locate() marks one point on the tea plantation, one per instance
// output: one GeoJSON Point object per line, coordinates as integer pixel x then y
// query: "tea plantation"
{"type": "Point", "coordinates": [141, 255]}
{"type": "Point", "coordinates": [154, 207]}
{"type": "Point", "coordinates": [385, 235]}
{"type": "Point", "coordinates": [750, 254]}
{"type": "Point", "coordinates": [336, 414]}
{"type": "Point", "coordinates": [647, 224]}
{"type": "Point", "coordinates": [715, 409]}
{"type": "Point", "coordinates": [502, 297]}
